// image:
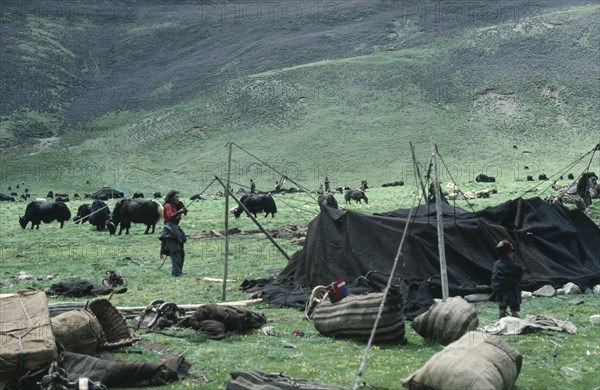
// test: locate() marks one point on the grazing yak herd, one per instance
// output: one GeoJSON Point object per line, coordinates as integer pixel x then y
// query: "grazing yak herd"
{"type": "Point", "coordinates": [125, 212]}
{"type": "Point", "coordinates": [149, 211]}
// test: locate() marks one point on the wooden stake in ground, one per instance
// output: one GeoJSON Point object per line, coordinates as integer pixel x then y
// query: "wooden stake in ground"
{"type": "Point", "coordinates": [227, 193]}
{"type": "Point", "coordinates": [440, 222]}
{"type": "Point", "coordinates": [262, 229]}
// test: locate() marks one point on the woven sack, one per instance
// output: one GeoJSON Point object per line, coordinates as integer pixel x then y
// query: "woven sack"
{"type": "Point", "coordinates": [78, 331]}
{"type": "Point", "coordinates": [476, 361]}
{"type": "Point", "coordinates": [446, 321]}
{"type": "Point", "coordinates": [354, 316]}
{"type": "Point", "coordinates": [116, 331]}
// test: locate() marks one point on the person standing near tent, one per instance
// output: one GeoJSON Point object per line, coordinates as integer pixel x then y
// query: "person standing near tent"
{"type": "Point", "coordinates": [252, 186]}
{"type": "Point", "coordinates": [172, 237]}
{"type": "Point", "coordinates": [431, 196]}
{"type": "Point", "coordinates": [506, 277]}
{"type": "Point", "coordinates": [326, 184]}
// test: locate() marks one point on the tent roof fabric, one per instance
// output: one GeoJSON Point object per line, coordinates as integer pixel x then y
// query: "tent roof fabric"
{"type": "Point", "coordinates": [554, 245]}
{"type": "Point", "coordinates": [109, 192]}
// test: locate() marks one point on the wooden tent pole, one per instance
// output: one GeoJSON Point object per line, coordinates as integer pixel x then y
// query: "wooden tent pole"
{"type": "Point", "coordinates": [227, 194]}
{"type": "Point", "coordinates": [417, 170]}
{"type": "Point", "coordinates": [440, 221]}
{"type": "Point", "coordinates": [262, 229]}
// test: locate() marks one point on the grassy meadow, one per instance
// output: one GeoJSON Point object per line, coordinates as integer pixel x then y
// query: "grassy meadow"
{"type": "Point", "coordinates": [551, 360]}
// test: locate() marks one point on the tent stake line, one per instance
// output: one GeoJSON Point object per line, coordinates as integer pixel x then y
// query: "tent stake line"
{"type": "Point", "coordinates": [262, 229]}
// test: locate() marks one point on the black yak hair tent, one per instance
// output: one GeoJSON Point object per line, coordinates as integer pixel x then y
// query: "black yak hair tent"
{"type": "Point", "coordinates": [554, 245]}
{"type": "Point", "coordinates": [107, 193]}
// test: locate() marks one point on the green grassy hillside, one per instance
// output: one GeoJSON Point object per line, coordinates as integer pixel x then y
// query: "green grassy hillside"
{"type": "Point", "coordinates": [124, 95]}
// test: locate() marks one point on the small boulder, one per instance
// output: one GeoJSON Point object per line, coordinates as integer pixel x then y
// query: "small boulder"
{"type": "Point", "coordinates": [595, 319]}
{"type": "Point", "coordinates": [473, 298]}
{"type": "Point", "coordinates": [577, 301]}
{"type": "Point", "coordinates": [546, 291]}
{"type": "Point", "coordinates": [596, 289]}
{"type": "Point", "coordinates": [526, 294]}
{"type": "Point", "coordinates": [560, 291]}
{"type": "Point", "coordinates": [571, 288]}
{"type": "Point", "coordinates": [24, 276]}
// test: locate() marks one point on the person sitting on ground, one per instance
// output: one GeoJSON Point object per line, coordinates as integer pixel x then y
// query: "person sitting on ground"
{"type": "Point", "coordinates": [431, 196]}
{"type": "Point", "coordinates": [279, 184]}
{"type": "Point", "coordinates": [172, 237]}
{"type": "Point", "coordinates": [506, 276]}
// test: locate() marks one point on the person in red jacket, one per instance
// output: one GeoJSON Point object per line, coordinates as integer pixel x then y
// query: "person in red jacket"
{"type": "Point", "coordinates": [172, 236]}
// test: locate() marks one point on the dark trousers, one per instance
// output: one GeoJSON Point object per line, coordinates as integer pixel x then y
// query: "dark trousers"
{"type": "Point", "coordinates": [512, 307]}
{"type": "Point", "coordinates": [177, 255]}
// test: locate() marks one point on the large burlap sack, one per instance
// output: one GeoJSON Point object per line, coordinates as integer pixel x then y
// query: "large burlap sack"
{"type": "Point", "coordinates": [26, 338]}
{"type": "Point", "coordinates": [476, 361]}
{"type": "Point", "coordinates": [446, 321]}
{"type": "Point", "coordinates": [354, 316]}
{"type": "Point", "coordinates": [78, 331]}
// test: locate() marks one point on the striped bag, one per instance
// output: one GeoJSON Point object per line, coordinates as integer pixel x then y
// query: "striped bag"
{"type": "Point", "coordinates": [446, 321]}
{"type": "Point", "coordinates": [476, 361]}
{"type": "Point", "coordinates": [354, 316]}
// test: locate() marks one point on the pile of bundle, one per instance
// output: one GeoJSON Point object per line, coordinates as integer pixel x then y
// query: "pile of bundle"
{"type": "Point", "coordinates": [58, 351]}
{"type": "Point", "coordinates": [457, 193]}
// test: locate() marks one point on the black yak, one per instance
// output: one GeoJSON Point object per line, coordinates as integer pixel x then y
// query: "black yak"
{"type": "Point", "coordinates": [357, 195]}
{"type": "Point", "coordinates": [127, 211]}
{"type": "Point", "coordinates": [37, 212]}
{"type": "Point", "coordinates": [256, 204]}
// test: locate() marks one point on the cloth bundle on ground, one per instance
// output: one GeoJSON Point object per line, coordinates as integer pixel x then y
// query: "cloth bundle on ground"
{"type": "Point", "coordinates": [77, 288]}
{"type": "Point", "coordinates": [258, 380]}
{"type": "Point", "coordinates": [234, 319]}
{"type": "Point", "coordinates": [446, 321]}
{"type": "Point", "coordinates": [476, 361]}
{"type": "Point", "coordinates": [26, 338]}
{"type": "Point", "coordinates": [115, 373]}
{"type": "Point", "coordinates": [99, 326]}
{"type": "Point", "coordinates": [531, 323]}
{"type": "Point", "coordinates": [354, 316]}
